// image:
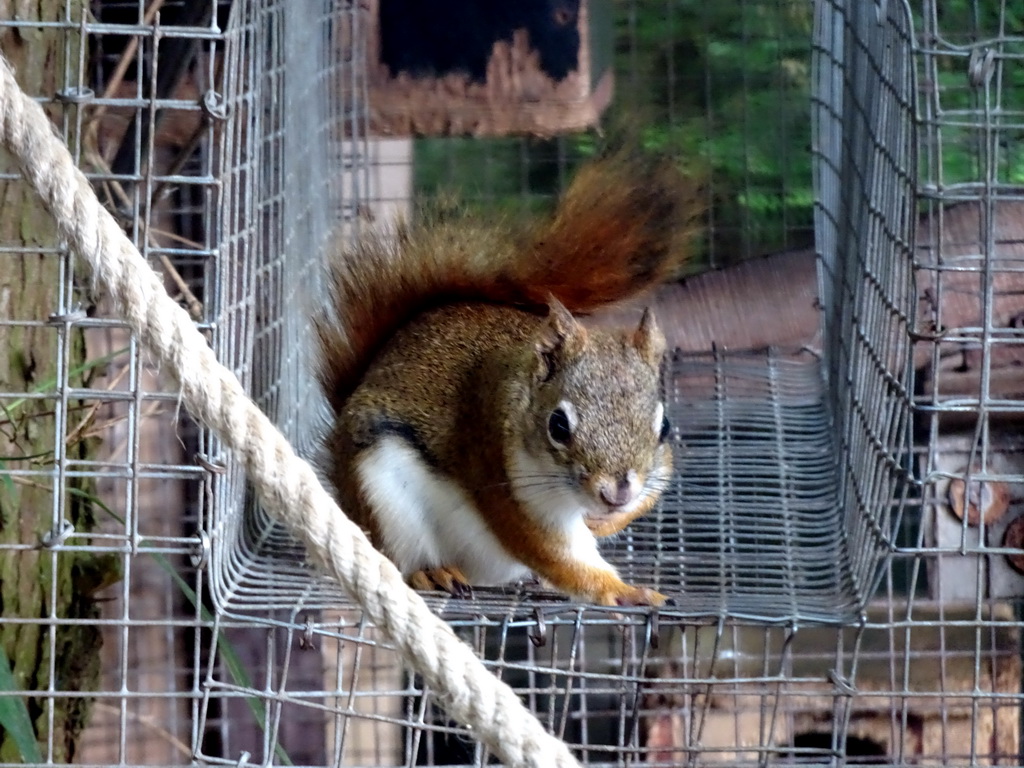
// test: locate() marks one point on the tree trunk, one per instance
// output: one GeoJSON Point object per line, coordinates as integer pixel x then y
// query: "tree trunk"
{"type": "Point", "coordinates": [50, 656]}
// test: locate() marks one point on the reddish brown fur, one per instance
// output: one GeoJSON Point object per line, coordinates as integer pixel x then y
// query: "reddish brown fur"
{"type": "Point", "coordinates": [636, 218]}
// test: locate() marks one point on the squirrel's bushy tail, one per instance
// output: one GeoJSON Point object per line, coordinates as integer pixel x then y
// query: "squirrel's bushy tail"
{"type": "Point", "coordinates": [626, 223]}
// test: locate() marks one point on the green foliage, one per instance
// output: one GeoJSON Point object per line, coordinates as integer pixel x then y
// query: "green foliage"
{"type": "Point", "coordinates": [729, 87]}
{"type": "Point", "coordinates": [14, 718]}
{"type": "Point", "coordinates": [982, 120]}
{"type": "Point", "coordinates": [491, 175]}
{"type": "Point", "coordinates": [723, 87]}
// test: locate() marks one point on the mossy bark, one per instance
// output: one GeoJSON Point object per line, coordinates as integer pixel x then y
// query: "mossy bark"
{"type": "Point", "coordinates": [49, 656]}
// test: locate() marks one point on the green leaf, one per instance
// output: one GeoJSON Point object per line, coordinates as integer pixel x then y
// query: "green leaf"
{"type": "Point", "coordinates": [6, 479]}
{"type": "Point", "coordinates": [50, 383]}
{"type": "Point", "coordinates": [14, 715]}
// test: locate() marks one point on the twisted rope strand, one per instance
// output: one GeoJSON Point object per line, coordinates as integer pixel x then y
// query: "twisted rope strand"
{"type": "Point", "coordinates": [288, 486]}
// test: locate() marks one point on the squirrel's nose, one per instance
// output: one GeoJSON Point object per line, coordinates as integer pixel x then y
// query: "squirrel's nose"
{"type": "Point", "coordinates": [618, 492]}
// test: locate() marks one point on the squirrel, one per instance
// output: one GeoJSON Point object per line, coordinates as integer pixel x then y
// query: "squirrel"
{"type": "Point", "coordinates": [480, 432]}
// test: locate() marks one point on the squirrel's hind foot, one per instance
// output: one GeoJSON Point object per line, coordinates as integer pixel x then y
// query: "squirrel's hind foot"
{"type": "Point", "coordinates": [636, 596]}
{"type": "Point", "coordinates": [446, 577]}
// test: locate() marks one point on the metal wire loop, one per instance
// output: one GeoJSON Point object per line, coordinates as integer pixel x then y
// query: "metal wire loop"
{"type": "Point", "coordinates": [214, 105]}
{"type": "Point", "coordinates": [538, 632]}
{"type": "Point", "coordinates": [980, 66]}
{"type": "Point", "coordinates": [214, 465]}
{"type": "Point", "coordinates": [52, 538]}
{"type": "Point", "coordinates": [74, 316]}
{"type": "Point", "coordinates": [201, 554]}
{"type": "Point", "coordinates": [75, 94]}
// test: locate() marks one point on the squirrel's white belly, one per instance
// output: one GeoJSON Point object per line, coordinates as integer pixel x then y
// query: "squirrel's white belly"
{"type": "Point", "coordinates": [426, 521]}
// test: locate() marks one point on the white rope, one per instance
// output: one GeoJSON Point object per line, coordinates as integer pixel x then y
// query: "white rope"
{"type": "Point", "coordinates": [287, 484]}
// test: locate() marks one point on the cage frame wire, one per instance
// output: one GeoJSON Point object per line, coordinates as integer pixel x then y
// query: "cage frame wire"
{"type": "Point", "coordinates": [713, 667]}
{"type": "Point", "coordinates": [263, 554]}
{"type": "Point", "coordinates": [476, 616]}
{"type": "Point", "coordinates": [128, 473]}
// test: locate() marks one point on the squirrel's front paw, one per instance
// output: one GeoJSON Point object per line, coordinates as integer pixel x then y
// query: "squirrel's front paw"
{"type": "Point", "coordinates": [447, 577]}
{"type": "Point", "coordinates": [635, 596]}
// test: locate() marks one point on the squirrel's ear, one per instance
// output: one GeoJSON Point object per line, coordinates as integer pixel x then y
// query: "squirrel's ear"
{"type": "Point", "coordinates": [648, 338]}
{"type": "Point", "coordinates": [559, 335]}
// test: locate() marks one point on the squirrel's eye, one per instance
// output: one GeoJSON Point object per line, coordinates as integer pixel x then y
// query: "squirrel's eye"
{"type": "Point", "coordinates": [559, 430]}
{"type": "Point", "coordinates": [665, 428]}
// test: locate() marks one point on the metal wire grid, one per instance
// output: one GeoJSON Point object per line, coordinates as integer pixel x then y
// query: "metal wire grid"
{"type": "Point", "coordinates": [912, 680]}
{"type": "Point", "coordinates": [754, 409]}
{"type": "Point", "coordinates": [935, 685]}
{"type": "Point", "coordinates": [863, 107]}
{"type": "Point", "coordinates": [298, 164]}
{"type": "Point", "coordinates": [809, 568]}
{"type": "Point", "coordinates": [294, 169]}
{"type": "Point", "coordinates": [383, 719]}
{"type": "Point", "coordinates": [102, 655]}
{"type": "Point", "coordinates": [971, 259]}
{"type": "Point", "coordinates": [761, 539]}
{"type": "Point", "coordinates": [281, 202]}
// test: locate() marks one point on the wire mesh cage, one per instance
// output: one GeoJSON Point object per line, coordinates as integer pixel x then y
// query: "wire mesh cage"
{"type": "Point", "coordinates": [819, 552]}
{"type": "Point", "coordinates": [844, 538]}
